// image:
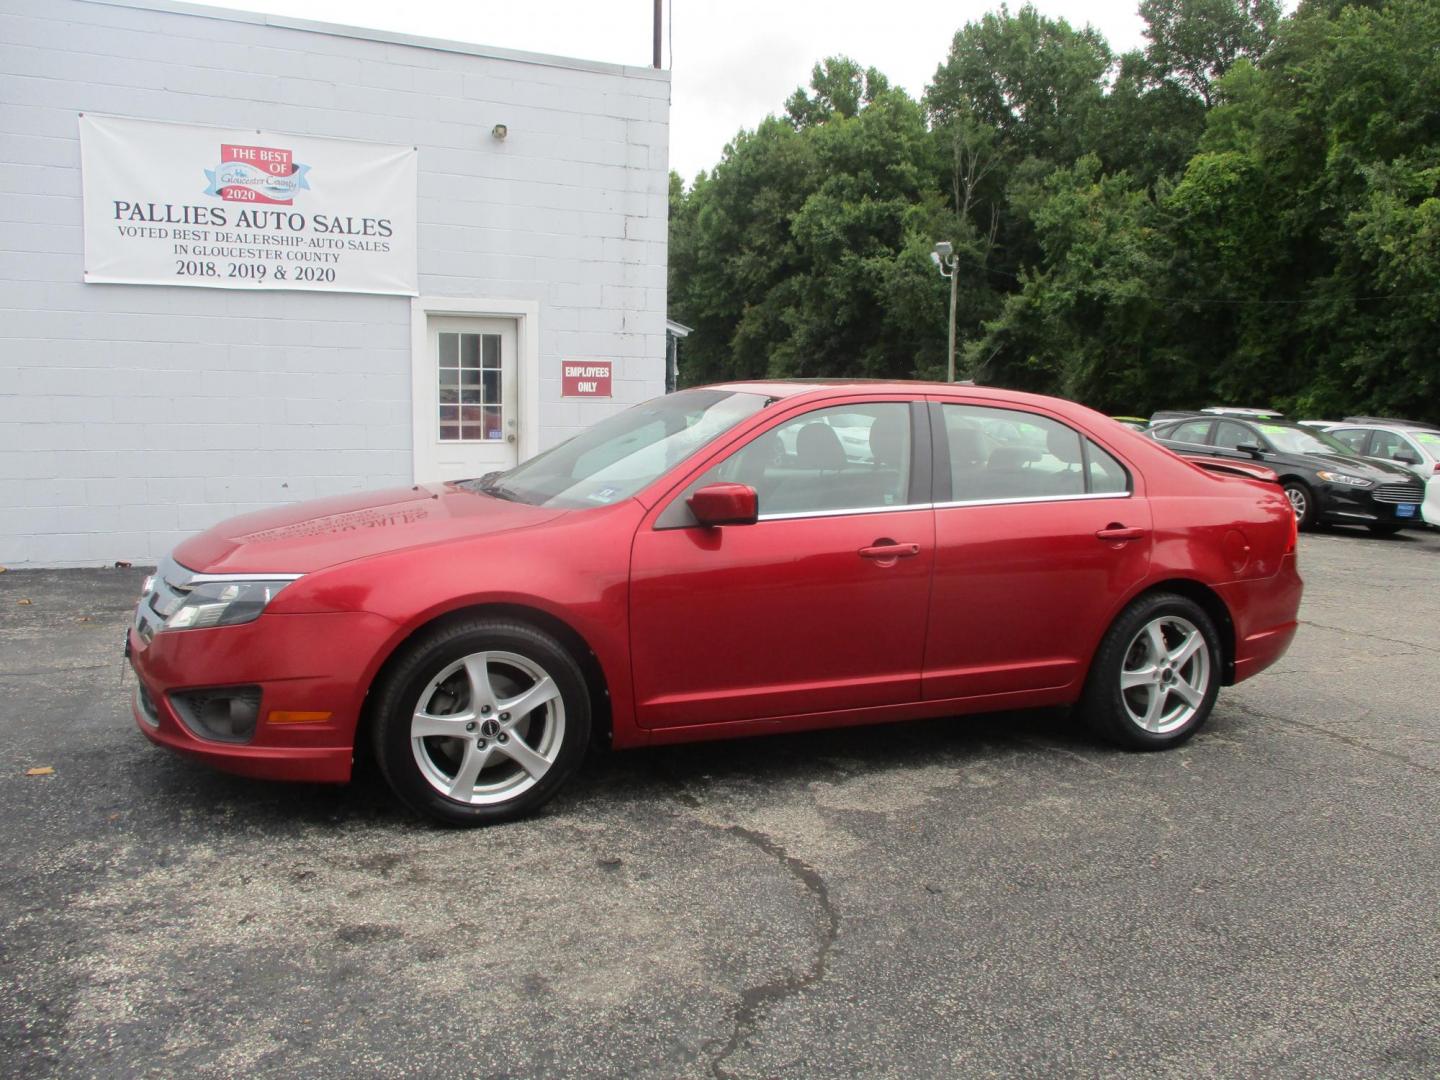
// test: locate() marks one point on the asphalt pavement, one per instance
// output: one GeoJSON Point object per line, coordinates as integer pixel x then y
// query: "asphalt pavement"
{"type": "Point", "coordinates": [987, 896]}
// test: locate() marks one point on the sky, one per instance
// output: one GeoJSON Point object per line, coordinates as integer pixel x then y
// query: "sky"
{"type": "Point", "coordinates": [731, 61]}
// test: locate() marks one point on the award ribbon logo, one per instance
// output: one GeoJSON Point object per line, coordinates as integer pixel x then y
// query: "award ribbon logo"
{"type": "Point", "coordinates": [257, 174]}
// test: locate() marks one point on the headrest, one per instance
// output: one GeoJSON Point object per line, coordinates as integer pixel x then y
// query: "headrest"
{"type": "Point", "coordinates": [888, 434]}
{"type": "Point", "coordinates": [818, 447]}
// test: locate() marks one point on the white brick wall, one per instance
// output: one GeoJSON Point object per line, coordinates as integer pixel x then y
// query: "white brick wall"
{"type": "Point", "coordinates": [132, 416]}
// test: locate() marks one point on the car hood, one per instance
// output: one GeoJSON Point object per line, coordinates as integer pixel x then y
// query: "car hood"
{"type": "Point", "coordinates": [308, 536]}
{"type": "Point", "coordinates": [1356, 466]}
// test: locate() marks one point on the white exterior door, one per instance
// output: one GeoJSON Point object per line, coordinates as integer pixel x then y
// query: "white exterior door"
{"type": "Point", "coordinates": [467, 415]}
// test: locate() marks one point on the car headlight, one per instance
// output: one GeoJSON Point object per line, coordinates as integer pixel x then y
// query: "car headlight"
{"type": "Point", "coordinates": [222, 603]}
{"type": "Point", "coordinates": [1344, 478]}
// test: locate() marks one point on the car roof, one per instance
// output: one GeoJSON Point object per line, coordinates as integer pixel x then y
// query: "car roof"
{"type": "Point", "coordinates": [790, 388]}
{"type": "Point", "coordinates": [1412, 429]}
{"type": "Point", "coordinates": [1388, 421]}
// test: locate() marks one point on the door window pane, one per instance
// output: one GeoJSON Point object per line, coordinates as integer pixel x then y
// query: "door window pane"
{"type": "Point", "coordinates": [1193, 431]}
{"type": "Point", "coordinates": [853, 457]}
{"type": "Point", "coordinates": [468, 375]}
{"type": "Point", "coordinates": [1009, 454]}
{"type": "Point", "coordinates": [1106, 475]}
{"type": "Point", "coordinates": [1230, 435]}
{"type": "Point", "coordinates": [1352, 437]}
{"type": "Point", "coordinates": [1386, 444]}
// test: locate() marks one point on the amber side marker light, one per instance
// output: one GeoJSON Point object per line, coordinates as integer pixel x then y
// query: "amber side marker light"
{"type": "Point", "coordinates": [278, 716]}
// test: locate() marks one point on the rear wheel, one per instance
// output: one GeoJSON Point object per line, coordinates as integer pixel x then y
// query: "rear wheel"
{"type": "Point", "coordinates": [1156, 674]}
{"type": "Point", "coordinates": [481, 722]}
{"type": "Point", "coordinates": [1302, 501]}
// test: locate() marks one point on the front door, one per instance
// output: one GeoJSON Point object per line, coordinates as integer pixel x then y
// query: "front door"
{"type": "Point", "coordinates": [466, 386]}
{"type": "Point", "coordinates": [817, 607]}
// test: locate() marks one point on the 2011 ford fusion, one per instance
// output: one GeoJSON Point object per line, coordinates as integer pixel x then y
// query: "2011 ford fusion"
{"type": "Point", "coordinates": [740, 559]}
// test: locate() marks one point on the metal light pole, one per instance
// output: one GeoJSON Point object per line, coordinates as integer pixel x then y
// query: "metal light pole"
{"type": "Point", "coordinates": [944, 257]}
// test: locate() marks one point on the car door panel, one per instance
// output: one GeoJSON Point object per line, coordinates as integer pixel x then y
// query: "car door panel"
{"type": "Point", "coordinates": [778, 618]}
{"type": "Point", "coordinates": [1023, 591]}
{"type": "Point", "coordinates": [1024, 585]}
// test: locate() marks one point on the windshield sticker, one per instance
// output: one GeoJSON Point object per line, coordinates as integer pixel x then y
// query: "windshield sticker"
{"type": "Point", "coordinates": [1273, 429]}
{"type": "Point", "coordinates": [603, 495]}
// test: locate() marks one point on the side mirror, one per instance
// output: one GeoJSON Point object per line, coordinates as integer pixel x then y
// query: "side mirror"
{"type": "Point", "coordinates": [1255, 450]}
{"type": "Point", "coordinates": [725, 504]}
{"type": "Point", "coordinates": [1406, 458]}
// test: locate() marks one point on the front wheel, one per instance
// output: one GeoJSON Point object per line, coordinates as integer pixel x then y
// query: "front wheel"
{"type": "Point", "coordinates": [1302, 501]}
{"type": "Point", "coordinates": [1156, 674]}
{"type": "Point", "coordinates": [481, 722]}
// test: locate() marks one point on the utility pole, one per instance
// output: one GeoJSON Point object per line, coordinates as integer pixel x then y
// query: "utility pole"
{"type": "Point", "coordinates": [944, 257]}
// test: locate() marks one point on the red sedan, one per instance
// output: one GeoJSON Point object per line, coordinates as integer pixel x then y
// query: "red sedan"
{"type": "Point", "coordinates": [735, 560]}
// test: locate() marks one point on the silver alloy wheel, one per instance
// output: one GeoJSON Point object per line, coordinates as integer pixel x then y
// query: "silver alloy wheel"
{"type": "Point", "coordinates": [1165, 674]}
{"type": "Point", "coordinates": [1298, 502]}
{"type": "Point", "coordinates": [488, 727]}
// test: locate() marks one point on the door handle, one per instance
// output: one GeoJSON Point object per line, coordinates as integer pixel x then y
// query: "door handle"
{"type": "Point", "coordinates": [889, 551]}
{"type": "Point", "coordinates": [1119, 532]}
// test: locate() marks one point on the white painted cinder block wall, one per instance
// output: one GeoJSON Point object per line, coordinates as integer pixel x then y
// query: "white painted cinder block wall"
{"type": "Point", "coordinates": [132, 416]}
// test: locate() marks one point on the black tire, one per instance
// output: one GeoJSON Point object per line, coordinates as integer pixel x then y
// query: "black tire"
{"type": "Point", "coordinates": [1302, 501]}
{"type": "Point", "coordinates": [1380, 529]}
{"type": "Point", "coordinates": [557, 730]}
{"type": "Point", "coordinates": [1111, 711]}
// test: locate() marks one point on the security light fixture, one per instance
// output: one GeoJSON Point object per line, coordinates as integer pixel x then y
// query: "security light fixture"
{"type": "Point", "coordinates": [944, 259]}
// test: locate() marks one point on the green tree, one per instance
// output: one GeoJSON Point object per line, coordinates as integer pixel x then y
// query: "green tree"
{"type": "Point", "coordinates": [1194, 42]}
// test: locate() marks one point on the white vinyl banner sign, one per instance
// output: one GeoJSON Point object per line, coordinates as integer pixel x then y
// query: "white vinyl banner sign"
{"type": "Point", "coordinates": [177, 204]}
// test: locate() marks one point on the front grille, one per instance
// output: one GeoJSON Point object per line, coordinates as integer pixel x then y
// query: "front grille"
{"type": "Point", "coordinates": [1408, 491]}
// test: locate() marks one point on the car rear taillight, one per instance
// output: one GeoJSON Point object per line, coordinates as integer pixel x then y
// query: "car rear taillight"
{"type": "Point", "coordinates": [1294, 539]}
{"type": "Point", "coordinates": [1437, 468]}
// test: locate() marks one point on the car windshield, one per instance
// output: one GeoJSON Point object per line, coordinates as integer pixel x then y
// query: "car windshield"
{"type": "Point", "coordinates": [1430, 440]}
{"type": "Point", "coordinates": [1300, 440]}
{"type": "Point", "coordinates": [620, 455]}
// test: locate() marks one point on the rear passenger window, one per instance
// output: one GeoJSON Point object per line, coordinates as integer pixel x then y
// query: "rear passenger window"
{"type": "Point", "coordinates": [1106, 475]}
{"type": "Point", "coordinates": [1007, 454]}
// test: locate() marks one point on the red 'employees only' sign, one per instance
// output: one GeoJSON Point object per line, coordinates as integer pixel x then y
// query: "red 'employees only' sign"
{"type": "Point", "coordinates": [585, 378]}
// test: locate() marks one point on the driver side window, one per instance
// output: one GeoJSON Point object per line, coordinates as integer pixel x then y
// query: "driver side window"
{"type": "Point", "coordinates": [1232, 436]}
{"type": "Point", "coordinates": [850, 457]}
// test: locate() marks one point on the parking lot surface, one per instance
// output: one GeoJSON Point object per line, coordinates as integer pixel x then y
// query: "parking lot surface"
{"type": "Point", "coordinates": [994, 895]}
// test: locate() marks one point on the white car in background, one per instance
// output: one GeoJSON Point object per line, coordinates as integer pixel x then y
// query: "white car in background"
{"type": "Point", "coordinates": [1416, 446]}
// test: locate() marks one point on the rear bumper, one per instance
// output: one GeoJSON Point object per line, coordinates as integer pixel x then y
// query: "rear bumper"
{"type": "Point", "coordinates": [314, 664]}
{"type": "Point", "coordinates": [1266, 615]}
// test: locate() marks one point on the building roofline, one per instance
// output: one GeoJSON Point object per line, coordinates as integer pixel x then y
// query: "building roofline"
{"type": "Point", "coordinates": [388, 37]}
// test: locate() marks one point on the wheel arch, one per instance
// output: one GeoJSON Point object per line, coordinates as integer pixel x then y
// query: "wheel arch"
{"type": "Point", "coordinates": [1213, 605]}
{"type": "Point", "coordinates": [601, 726]}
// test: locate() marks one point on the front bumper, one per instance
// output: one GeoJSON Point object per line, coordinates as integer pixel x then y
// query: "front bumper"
{"type": "Point", "coordinates": [1339, 504]}
{"type": "Point", "coordinates": [318, 663]}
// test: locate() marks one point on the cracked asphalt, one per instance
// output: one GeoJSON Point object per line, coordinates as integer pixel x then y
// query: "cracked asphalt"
{"type": "Point", "coordinates": [987, 896]}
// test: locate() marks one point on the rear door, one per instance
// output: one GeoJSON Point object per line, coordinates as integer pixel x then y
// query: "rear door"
{"type": "Point", "coordinates": [1037, 530]}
